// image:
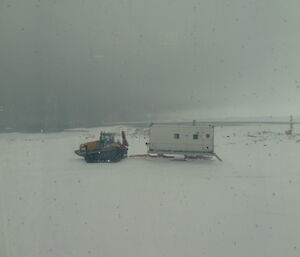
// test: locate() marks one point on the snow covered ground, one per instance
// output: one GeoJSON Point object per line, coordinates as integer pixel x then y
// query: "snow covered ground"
{"type": "Point", "coordinates": [53, 204]}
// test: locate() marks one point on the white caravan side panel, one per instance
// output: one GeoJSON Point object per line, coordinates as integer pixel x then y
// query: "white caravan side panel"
{"type": "Point", "coordinates": [176, 138]}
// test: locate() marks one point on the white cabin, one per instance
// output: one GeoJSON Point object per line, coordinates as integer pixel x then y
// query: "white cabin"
{"type": "Point", "coordinates": [181, 139]}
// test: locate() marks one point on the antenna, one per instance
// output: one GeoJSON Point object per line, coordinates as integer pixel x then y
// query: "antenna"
{"type": "Point", "coordinates": [291, 124]}
{"type": "Point", "coordinates": [290, 131]}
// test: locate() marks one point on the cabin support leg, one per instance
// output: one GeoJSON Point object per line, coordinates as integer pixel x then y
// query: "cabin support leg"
{"type": "Point", "coordinates": [218, 157]}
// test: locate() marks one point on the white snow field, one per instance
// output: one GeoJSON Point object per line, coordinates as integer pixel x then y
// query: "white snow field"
{"type": "Point", "coordinates": [53, 204]}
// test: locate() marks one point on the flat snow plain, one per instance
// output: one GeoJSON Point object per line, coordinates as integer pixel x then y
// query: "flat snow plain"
{"type": "Point", "coordinates": [53, 204]}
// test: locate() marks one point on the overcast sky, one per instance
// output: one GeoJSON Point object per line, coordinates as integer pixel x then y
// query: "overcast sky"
{"type": "Point", "coordinates": [102, 60]}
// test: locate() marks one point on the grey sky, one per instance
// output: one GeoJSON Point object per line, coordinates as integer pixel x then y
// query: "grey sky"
{"type": "Point", "coordinates": [91, 60]}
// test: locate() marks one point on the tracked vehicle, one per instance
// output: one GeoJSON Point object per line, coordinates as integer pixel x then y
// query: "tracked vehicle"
{"type": "Point", "coordinates": [106, 149]}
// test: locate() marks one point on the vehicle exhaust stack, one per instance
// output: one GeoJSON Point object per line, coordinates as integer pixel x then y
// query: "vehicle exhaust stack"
{"type": "Point", "coordinates": [124, 140]}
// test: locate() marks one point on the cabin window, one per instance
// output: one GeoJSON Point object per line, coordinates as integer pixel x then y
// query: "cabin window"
{"type": "Point", "coordinates": [176, 136]}
{"type": "Point", "coordinates": [195, 136]}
